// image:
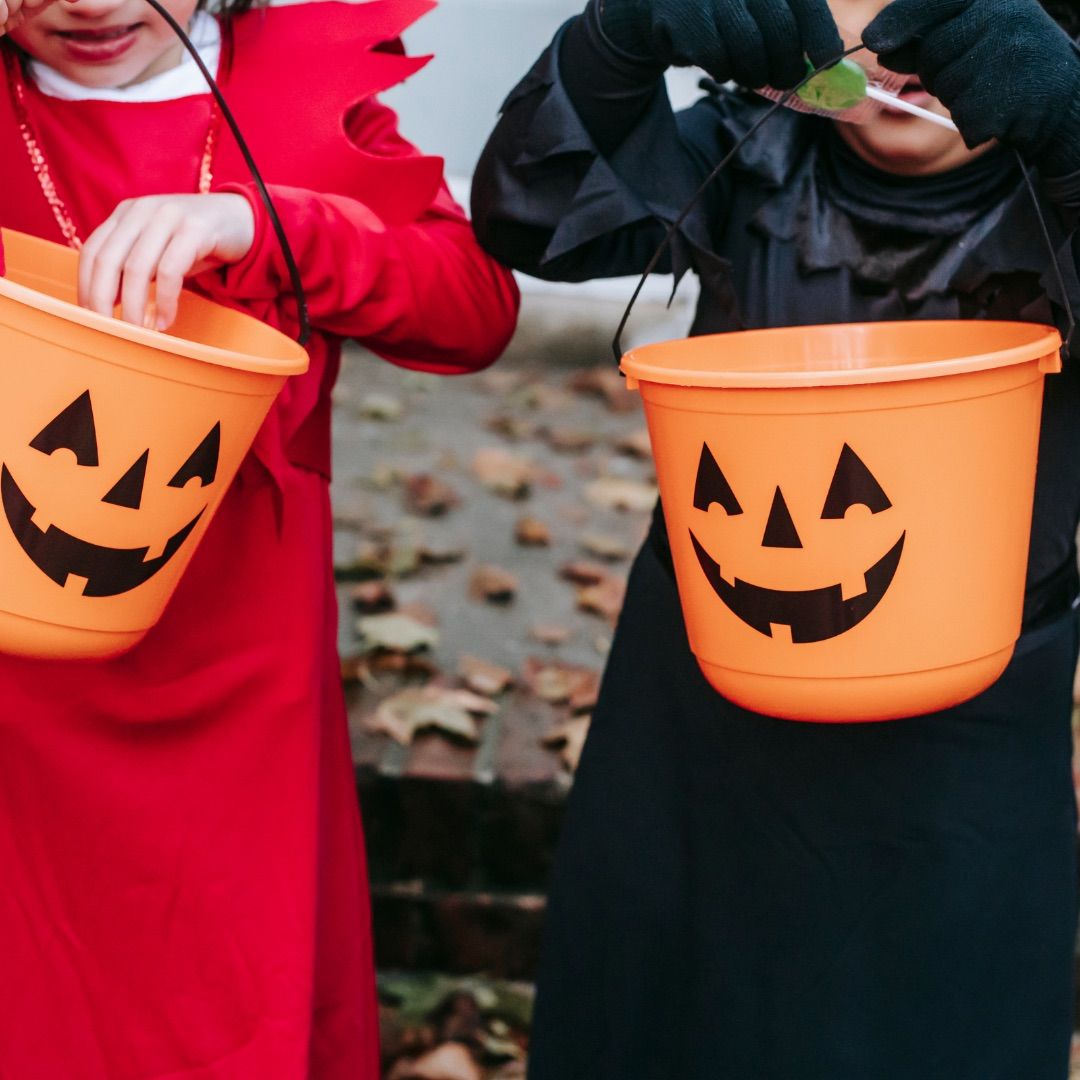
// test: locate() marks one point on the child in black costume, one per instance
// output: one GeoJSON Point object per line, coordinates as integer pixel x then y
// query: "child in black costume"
{"type": "Point", "coordinates": [744, 898]}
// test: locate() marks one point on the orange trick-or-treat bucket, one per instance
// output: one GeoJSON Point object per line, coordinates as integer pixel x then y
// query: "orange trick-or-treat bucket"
{"type": "Point", "coordinates": [117, 444]}
{"type": "Point", "coordinates": [849, 507]}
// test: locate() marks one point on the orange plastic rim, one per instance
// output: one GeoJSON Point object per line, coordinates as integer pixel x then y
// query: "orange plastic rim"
{"type": "Point", "coordinates": [843, 354]}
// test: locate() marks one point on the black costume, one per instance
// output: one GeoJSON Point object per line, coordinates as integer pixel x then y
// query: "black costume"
{"type": "Point", "coordinates": [744, 898]}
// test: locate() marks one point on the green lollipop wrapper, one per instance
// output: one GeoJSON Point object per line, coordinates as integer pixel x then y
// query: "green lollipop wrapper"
{"type": "Point", "coordinates": [840, 87]}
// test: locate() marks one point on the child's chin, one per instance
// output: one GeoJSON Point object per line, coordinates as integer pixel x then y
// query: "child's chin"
{"type": "Point", "coordinates": [906, 146]}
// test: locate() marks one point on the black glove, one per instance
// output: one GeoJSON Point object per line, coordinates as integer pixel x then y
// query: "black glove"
{"type": "Point", "coordinates": [1003, 68]}
{"type": "Point", "coordinates": [755, 42]}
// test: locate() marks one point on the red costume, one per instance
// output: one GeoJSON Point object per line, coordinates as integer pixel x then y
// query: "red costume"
{"type": "Point", "coordinates": [183, 885]}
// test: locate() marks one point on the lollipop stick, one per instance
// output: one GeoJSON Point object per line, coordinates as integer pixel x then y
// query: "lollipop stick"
{"type": "Point", "coordinates": [894, 102]}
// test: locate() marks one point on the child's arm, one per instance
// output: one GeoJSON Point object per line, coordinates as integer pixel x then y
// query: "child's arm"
{"type": "Point", "coordinates": [588, 163]}
{"type": "Point", "coordinates": [422, 294]}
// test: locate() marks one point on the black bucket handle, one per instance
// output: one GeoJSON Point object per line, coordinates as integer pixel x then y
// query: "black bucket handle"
{"type": "Point", "coordinates": [304, 334]}
{"type": "Point", "coordinates": [673, 228]}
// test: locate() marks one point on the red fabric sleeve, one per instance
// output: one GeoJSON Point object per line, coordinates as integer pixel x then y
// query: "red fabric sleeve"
{"type": "Point", "coordinates": [422, 294]}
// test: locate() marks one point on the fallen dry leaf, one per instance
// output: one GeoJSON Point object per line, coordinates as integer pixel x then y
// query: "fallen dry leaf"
{"type": "Point", "coordinates": [532, 532]}
{"type": "Point", "coordinates": [450, 712]}
{"type": "Point", "coordinates": [560, 683]}
{"type": "Point", "coordinates": [372, 597]}
{"type": "Point", "coordinates": [450, 1061]}
{"type": "Point", "coordinates": [616, 493]}
{"type": "Point", "coordinates": [582, 572]}
{"type": "Point", "coordinates": [379, 407]}
{"type": "Point", "coordinates": [604, 546]}
{"type": "Point", "coordinates": [604, 598]}
{"type": "Point", "coordinates": [569, 440]}
{"type": "Point", "coordinates": [493, 584]}
{"type": "Point", "coordinates": [514, 428]}
{"type": "Point", "coordinates": [506, 474]}
{"type": "Point", "coordinates": [397, 632]}
{"type": "Point", "coordinates": [568, 737]}
{"type": "Point", "coordinates": [484, 677]}
{"type": "Point", "coordinates": [439, 554]}
{"type": "Point", "coordinates": [428, 495]}
{"type": "Point", "coordinates": [379, 558]}
{"type": "Point", "coordinates": [635, 445]}
{"type": "Point", "coordinates": [605, 383]}
{"type": "Point", "coordinates": [550, 633]}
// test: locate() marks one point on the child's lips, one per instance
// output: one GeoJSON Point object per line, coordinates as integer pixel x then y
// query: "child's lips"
{"type": "Point", "coordinates": [915, 93]}
{"type": "Point", "coordinates": [100, 45]}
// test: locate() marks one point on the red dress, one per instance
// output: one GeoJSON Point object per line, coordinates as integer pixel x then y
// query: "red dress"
{"type": "Point", "coordinates": [182, 880]}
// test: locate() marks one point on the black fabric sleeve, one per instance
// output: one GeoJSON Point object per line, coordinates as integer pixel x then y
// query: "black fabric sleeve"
{"type": "Point", "coordinates": [610, 89]}
{"type": "Point", "coordinates": [549, 201]}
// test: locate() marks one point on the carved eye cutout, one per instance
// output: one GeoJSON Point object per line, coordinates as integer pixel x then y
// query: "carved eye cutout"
{"type": "Point", "coordinates": [73, 429]}
{"type": "Point", "coordinates": [853, 484]}
{"type": "Point", "coordinates": [711, 486]}
{"type": "Point", "coordinates": [203, 462]}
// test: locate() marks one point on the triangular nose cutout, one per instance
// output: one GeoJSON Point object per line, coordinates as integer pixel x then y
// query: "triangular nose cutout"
{"type": "Point", "coordinates": [780, 530]}
{"type": "Point", "coordinates": [127, 491]}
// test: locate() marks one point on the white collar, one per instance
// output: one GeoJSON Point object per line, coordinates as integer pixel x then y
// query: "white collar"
{"type": "Point", "coordinates": [184, 80]}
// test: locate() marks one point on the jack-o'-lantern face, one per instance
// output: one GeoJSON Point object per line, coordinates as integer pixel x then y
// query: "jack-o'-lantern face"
{"type": "Point", "coordinates": [78, 562]}
{"type": "Point", "coordinates": [816, 613]}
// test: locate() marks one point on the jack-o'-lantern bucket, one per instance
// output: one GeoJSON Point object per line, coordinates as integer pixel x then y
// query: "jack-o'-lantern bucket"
{"type": "Point", "coordinates": [117, 444]}
{"type": "Point", "coordinates": [849, 507]}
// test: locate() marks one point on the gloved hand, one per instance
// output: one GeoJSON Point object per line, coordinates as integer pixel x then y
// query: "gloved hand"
{"type": "Point", "coordinates": [1003, 68]}
{"type": "Point", "coordinates": [755, 42]}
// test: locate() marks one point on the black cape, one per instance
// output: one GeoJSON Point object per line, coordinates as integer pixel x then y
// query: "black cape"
{"type": "Point", "coordinates": [743, 898]}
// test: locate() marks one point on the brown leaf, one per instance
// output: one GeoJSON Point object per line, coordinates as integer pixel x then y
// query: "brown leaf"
{"type": "Point", "coordinates": [379, 407]}
{"type": "Point", "coordinates": [604, 546]}
{"type": "Point", "coordinates": [514, 428]}
{"type": "Point", "coordinates": [355, 669]}
{"type": "Point", "coordinates": [381, 558]}
{"type": "Point", "coordinates": [550, 634]}
{"type": "Point", "coordinates": [396, 632]}
{"type": "Point", "coordinates": [450, 712]}
{"type": "Point", "coordinates": [439, 554]}
{"type": "Point", "coordinates": [569, 440]}
{"type": "Point", "coordinates": [582, 572]}
{"type": "Point", "coordinates": [635, 445]}
{"type": "Point", "coordinates": [428, 495]}
{"type": "Point", "coordinates": [483, 676]}
{"type": "Point", "coordinates": [372, 597]}
{"type": "Point", "coordinates": [532, 532]}
{"type": "Point", "coordinates": [493, 584]}
{"type": "Point", "coordinates": [569, 738]}
{"type": "Point", "coordinates": [559, 683]}
{"type": "Point", "coordinates": [450, 1061]}
{"type": "Point", "coordinates": [407, 665]}
{"type": "Point", "coordinates": [604, 599]}
{"type": "Point", "coordinates": [504, 473]}
{"type": "Point", "coordinates": [616, 493]}
{"type": "Point", "coordinates": [606, 383]}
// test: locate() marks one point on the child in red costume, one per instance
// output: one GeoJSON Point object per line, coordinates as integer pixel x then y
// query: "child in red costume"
{"type": "Point", "coordinates": [183, 886]}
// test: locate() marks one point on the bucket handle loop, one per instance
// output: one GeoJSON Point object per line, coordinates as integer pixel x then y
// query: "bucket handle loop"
{"type": "Point", "coordinates": [673, 228]}
{"type": "Point", "coordinates": [294, 272]}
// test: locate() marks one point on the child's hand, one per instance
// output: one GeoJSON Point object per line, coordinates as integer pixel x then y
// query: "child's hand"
{"type": "Point", "coordinates": [754, 42]}
{"type": "Point", "coordinates": [1003, 68]}
{"type": "Point", "coordinates": [13, 13]}
{"type": "Point", "coordinates": [160, 240]}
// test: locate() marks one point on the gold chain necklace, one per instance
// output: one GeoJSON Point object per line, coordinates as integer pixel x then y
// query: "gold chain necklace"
{"type": "Point", "coordinates": [40, 164]}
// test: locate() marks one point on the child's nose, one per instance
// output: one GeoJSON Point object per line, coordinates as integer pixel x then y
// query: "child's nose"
{"type": "Point", "coordinates": [95, 9]}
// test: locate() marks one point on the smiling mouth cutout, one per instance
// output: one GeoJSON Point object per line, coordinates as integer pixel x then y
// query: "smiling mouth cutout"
{"type": "Point", "coordinates": [812, 614]}
{"type": "Point", "coordinates": [106, 571]}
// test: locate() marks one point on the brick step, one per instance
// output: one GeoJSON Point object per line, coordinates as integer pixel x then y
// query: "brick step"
{"type": "Point", "coordinates": [479, 818]}
{"type": "Point", "coordinates": [497, 934]}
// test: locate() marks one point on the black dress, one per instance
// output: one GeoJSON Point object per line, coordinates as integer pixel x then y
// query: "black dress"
{"type": "Point", "coordinates": [738, 897]}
